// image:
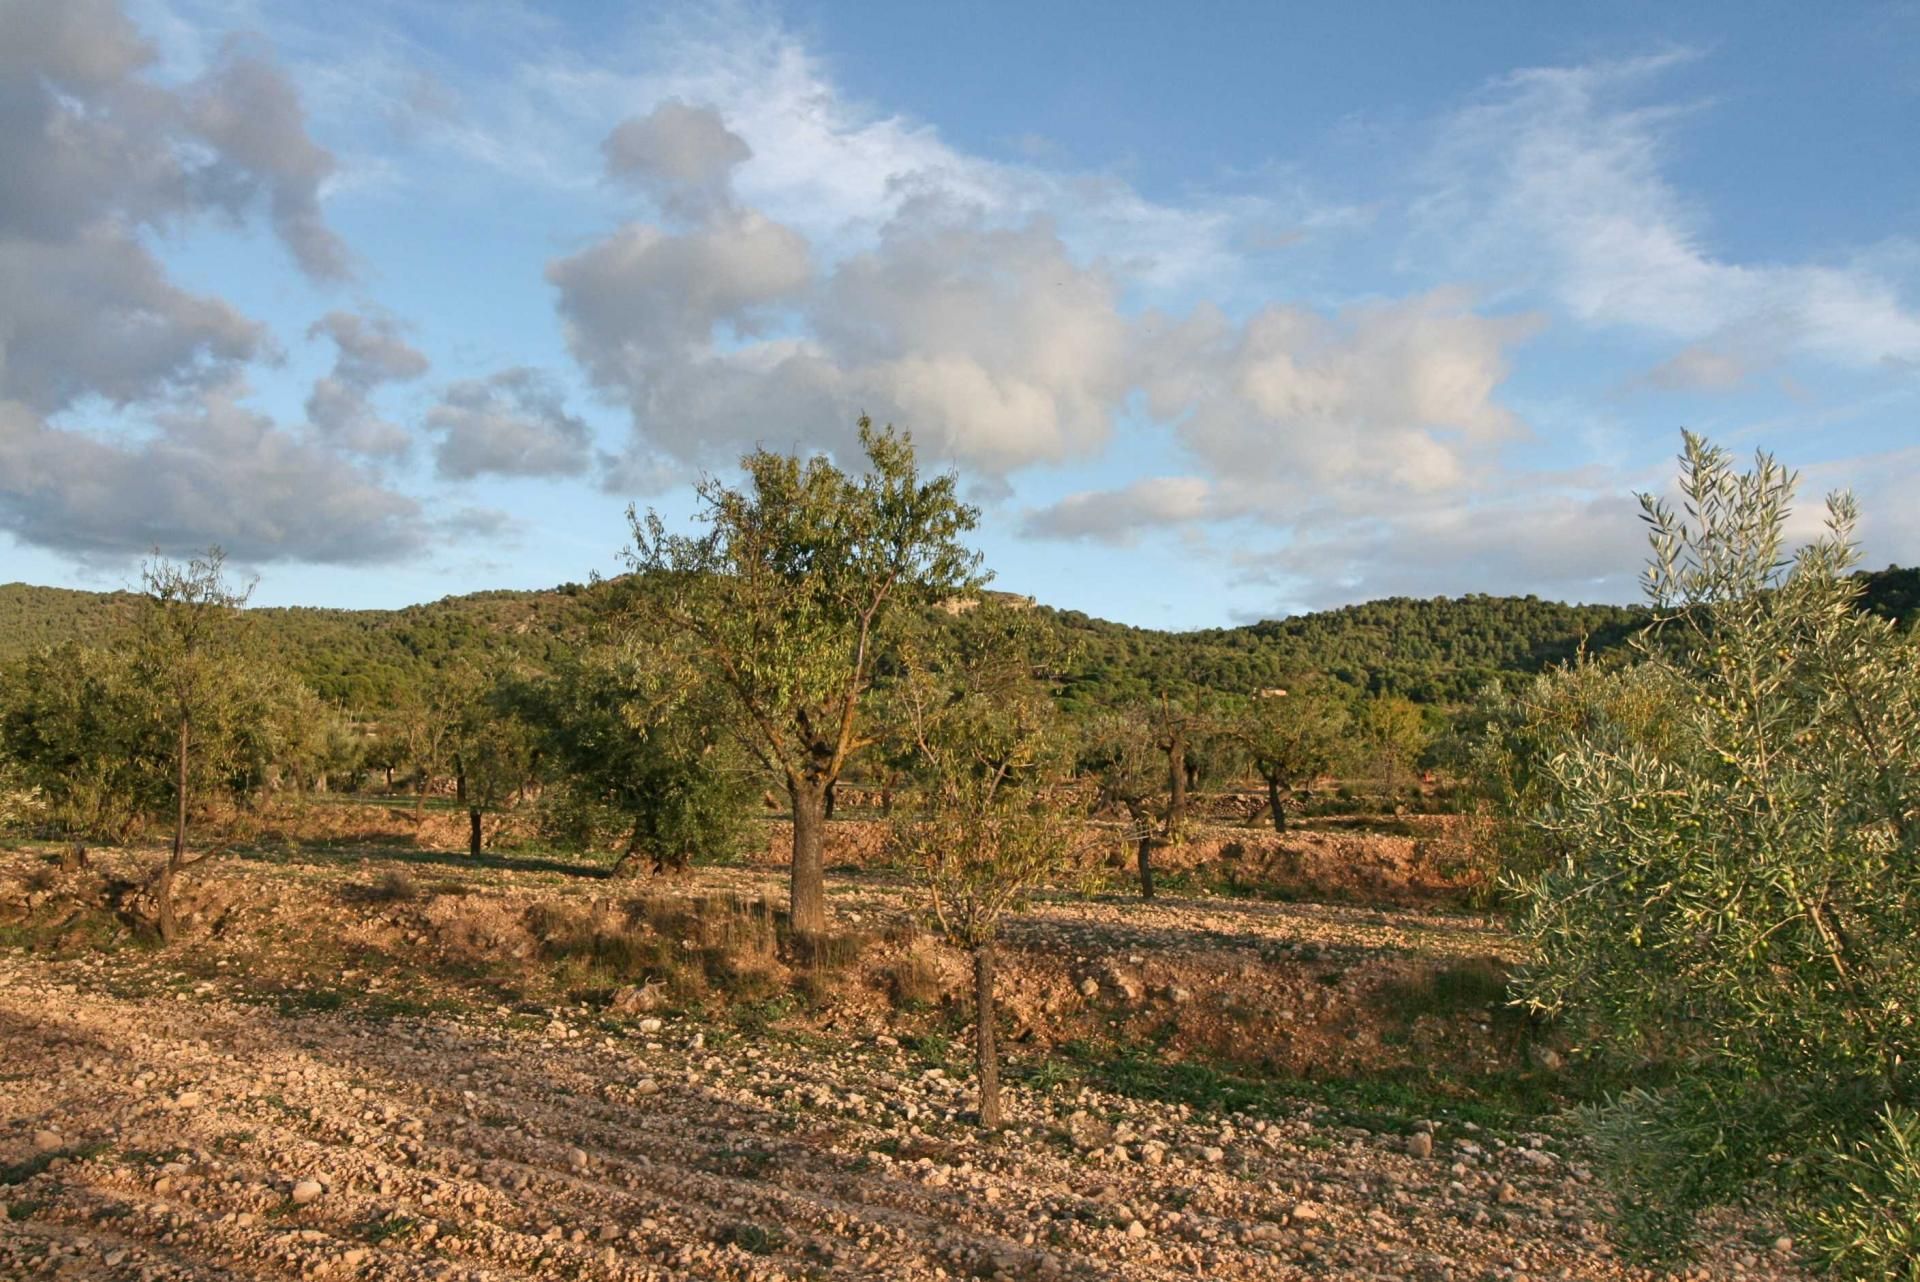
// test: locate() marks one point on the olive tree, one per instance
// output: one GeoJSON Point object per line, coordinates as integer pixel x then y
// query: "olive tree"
{"type": "Point", "coordinates": [489, 746]}
{"type": "Point", "coordinates": [1736, 895]}
{"type": "Point", "coordinates": [990, 824]}
{"type": "Point", "coordinates": [629, 738]}
{"type": "Point", "coordinates": [787, 601]}
{"type": "Point", "coordinates": [72, 738]}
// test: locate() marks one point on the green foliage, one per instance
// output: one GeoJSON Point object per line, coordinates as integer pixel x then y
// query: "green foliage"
{"type": "Point", "coordinates": [1291, 739]}
{"type": "Point", "coordinates": [1518, 734]}
{"type": "Point", "coordinates": [1735, 882]}
{"type": "Point", "coordinates": [1432, 651]}
{"type": "Point", "coordinates": [1869, 1226]}
{"type": "Point", "coordinates": [1395, 733]}
{"type": "Point", "coordinates": [990, 757]}
{"type": "Point", "coordinates": [785, 603]}
{"type": "Point", "coordinates": [628, 740]}
{"type": "Point", "coordinates": [73, 739]}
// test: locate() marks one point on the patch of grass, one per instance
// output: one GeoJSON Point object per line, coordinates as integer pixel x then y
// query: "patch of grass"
{"type": "Point", "coordinates": [935, 1048]}
{"type": "Point", "coordinates": [393, 1228]}
{"type": "Point", "coordinates": [1389, 1101]}
{"type": "Point", "coordinates": [394, 886]}
{"type": "Point", "coordinates": [758, 1016]}
{"type": "Point", "coordinates": [756, 1239]}
{"type": "Point", "coordinates": [1447, 988]}
{"type": "Point", "coordinates": [90, 930]}
{"type": "Point", "coordinates": [913, 981]}
{"type": "Point", "coordinates": [22, 1171]}
{"type": "Point", "coordinates": [18, 1211]}
{"type": "Point", "coordinates": [310, 1001]}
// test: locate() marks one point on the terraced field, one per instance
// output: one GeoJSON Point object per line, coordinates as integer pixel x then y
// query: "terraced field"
{"type": "Point", "coordinates": [160, 1118]}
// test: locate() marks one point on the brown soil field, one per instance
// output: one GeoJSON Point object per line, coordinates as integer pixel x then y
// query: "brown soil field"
{"type": "Point", "coordinates": [371, 1058]}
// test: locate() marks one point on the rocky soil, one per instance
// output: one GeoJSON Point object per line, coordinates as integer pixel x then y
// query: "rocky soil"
{"type": "Point", "coordinates": [200, 1113]}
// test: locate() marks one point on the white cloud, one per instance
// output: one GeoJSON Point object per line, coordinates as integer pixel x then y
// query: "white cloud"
{"type": "Point", "coordinates": [1119, 516]}
{"type": "Point", "coordinates": [1556, 180]}
{"type": "Point", "coordinates": [213, 471]}
{"type": "Point", "coordinates": [368, 353]}
{"type": "Point", "coordinates": [99, 158]}
{"type": "Point", "coordinates": [1380, 397]}
{"type": "Point", "coordinates": [514, 423]}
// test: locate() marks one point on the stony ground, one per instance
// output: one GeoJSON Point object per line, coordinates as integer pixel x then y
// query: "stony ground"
{"type": "Point", "coordinates": [159, 1119]}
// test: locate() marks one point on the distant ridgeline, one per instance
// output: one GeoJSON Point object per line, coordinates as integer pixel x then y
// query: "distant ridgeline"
{"type": "Point", "coordinates": [1438, 650]}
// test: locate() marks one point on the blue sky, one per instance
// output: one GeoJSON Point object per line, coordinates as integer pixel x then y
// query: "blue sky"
{"type": "Point", "coordinates": [1219, 317]}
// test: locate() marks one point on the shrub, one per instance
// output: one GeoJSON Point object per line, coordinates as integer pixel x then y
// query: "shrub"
{"type": "Point", "coordinates": [1731, 888]}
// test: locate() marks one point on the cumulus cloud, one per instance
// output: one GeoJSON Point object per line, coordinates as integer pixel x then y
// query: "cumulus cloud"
{"type": "Point", "coordinates": [250, 115]}
{"type": "Point", "coordinates": [683, 155]}
{"type": "Point", "coordinates": [368, 353]}
{"type": "Point", "coordinates": [1577, 547]}
{"type": "Point", "coordinates": [1118, 516]}
{"type": "Point", "coordinates": [990, 342]}
{"type": "Point", "coordinates": [1556, 178]}
{"type": "Point", "coordinates": [99, 159]}
{"type": "Point", "coordinates": [93, 314]}
{"type": "Point", "coordinates": [1400, 395]}
{"type": "Point", "coordinates": [213, 471]}
{"type": "Point", "coordinates": [513, 423]}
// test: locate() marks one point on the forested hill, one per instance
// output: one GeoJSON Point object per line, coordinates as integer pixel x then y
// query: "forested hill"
{"type": "Point", "coordinates": [1436, 650]}
{"type": "Point", "coordinates": [360, 659]}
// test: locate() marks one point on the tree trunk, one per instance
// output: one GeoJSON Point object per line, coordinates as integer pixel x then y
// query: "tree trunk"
{"type": "Point", "coordinates": [163, 888]}
{"type": "Point", "coordinates": [1146, 865]}
{"type": "Point", "coordinates": [1273, 804]}
{"type": "Point", "coordinates": [986, 1044]}
{"type": "Point", "coordinates": [827, 810]}
{"type": "Point", "coordinates": [628, 864]}
{"type": "Point", "coordinates": [459, 781]}
{"type": "Point", "coordinates": [74, 857]}
{"type": "Point", "coordinates": [163, 918]}
{"type": "Point", "coordinates": [389, 770]}
{"type": "Point", "coordinates": [473, 831]}
{"type": "Point", "coordinates": [808, 902]}
{"type": "Point", "coordinates": [1176, 784]}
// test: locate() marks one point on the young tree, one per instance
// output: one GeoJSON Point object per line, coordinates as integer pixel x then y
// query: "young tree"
{"type": "Point", "coordinates": [1291, 738]}
{"type": "Point", "coordinates": [1119, 750]}
{"type": "Point", "coordinates": [488, 744]}
{"type": "Point", "coordinates": [1736, 894]}
{"type": "Point", "coordinates": [1396, 729]}
{"type": "Point", "coordinates": [425, 720]}
{"type": "Point", "coordinates": [187, 658]}
{"type": "Point", "coordinates": [1175, 728]}
{"type": "Point", "coordinates": [989, 827]}
{"type": "Point", "coordinates": [787, 601]}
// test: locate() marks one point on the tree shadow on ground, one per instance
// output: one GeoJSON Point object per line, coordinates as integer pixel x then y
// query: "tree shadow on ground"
{"type": "Point", "coordinates": [334, 853]}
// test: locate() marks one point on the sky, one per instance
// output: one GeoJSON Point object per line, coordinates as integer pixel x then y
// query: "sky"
{"type": "Point", "coordinates": [1219, 312]}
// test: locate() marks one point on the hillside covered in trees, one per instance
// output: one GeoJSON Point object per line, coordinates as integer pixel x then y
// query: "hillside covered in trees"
{"type": "Point", "coordinates": [1436, 650]}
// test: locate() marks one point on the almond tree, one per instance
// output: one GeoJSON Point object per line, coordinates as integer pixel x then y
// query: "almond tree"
{"type": "Point", "coordinates": [188, 660]}
{"type": "Point", "coordinates": [1119, 750]}
{"type": "Point", "coordinates": [787, 602]}
{"type": "Point", "coordinates": [1291, 737]}
{"type": "Point", "coordinates": [990, 825]}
